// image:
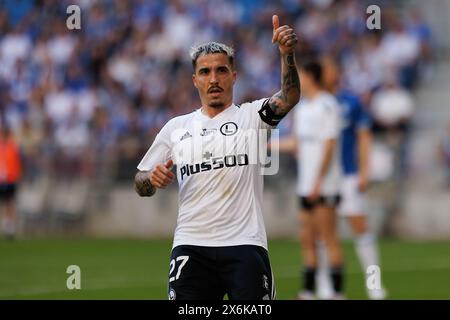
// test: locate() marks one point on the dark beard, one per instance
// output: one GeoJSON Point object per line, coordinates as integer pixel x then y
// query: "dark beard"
{"type": "Point", "coordinates": [216, 105]}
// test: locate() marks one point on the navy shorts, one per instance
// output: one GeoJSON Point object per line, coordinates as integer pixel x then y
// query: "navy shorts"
{"type": "Point", "coordinates": [7, 191]}
{"type": "Point", "coordinates": [208, 273]}
{"type": "Point", "coordinates": [328, 201]}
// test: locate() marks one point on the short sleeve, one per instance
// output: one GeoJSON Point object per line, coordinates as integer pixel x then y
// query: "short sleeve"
{"type": "Point", "coordinates": [159, 152]}
{"type": "Point", "coordinates": [331, 119]}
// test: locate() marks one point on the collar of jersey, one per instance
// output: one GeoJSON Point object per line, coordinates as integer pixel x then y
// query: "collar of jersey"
{"type": "Point", "coordinates": [218, 116]}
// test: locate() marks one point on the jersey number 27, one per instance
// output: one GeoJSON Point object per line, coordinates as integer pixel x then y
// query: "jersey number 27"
{"type": "Point", "coordinates": [183, 260]}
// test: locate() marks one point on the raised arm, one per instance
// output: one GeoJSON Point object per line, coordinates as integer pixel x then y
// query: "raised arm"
{"type": "Point", "coordinates": [285, 99]}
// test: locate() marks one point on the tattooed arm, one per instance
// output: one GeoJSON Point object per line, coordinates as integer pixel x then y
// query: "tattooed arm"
{"type": "Point", "coordinates": [146, 182]}
{"type": "Point", "coordinates": [142, 184]}
{"type": "Point", "coordinates": [285, 99]}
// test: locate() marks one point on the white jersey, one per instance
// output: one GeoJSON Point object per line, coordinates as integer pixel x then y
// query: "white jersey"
{"type": "Point", "coordinates": [316, 121]}
{"type": "Point", "coordinates": [220, 181]}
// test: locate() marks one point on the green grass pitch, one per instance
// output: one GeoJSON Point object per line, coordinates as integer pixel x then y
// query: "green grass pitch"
{"type": "Point", "coordinates": [137, 269]}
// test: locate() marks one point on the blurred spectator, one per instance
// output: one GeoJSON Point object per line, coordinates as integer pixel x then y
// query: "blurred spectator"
{"type": "Point", "coordinates": [72, 139]}
{"type": "Point", "coordinates": [30, 141]}
{"type": "Point", "coordinates": [418, 28]}
{"type": "Point", "coordinates": [401, 51]}
{"type": "Point", "coordinates": [392, 106]}
{"type": "Point", "coordinates": [14, 46]}
{"type": "Point", "coordinates": [10, 174]}
{"type": "Point", "coordinates": [17, 10]}
{"type": "Point", "coordinates": [131, 57]}
{"type": "Point", "coordinates": [392, 109]}
{"type": "Point", "coordinates": [445, 154]}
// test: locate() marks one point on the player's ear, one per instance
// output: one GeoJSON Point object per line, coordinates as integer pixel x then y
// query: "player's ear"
{"type": "Point", "coordinates": [194, 80]}
{"type": "Point", "coordinates": [234, 74]}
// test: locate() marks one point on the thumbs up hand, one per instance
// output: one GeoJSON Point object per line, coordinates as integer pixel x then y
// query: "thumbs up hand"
{"type": "Point", "coordinates": [284, 36]}
{"type": "Point", "coordinates": [161, 176]}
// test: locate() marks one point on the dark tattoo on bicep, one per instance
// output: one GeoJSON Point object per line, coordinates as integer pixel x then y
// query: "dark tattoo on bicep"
{"type": "Point", "coordinates": [142, 184]}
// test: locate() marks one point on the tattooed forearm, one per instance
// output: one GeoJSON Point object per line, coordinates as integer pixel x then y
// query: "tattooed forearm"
{"type": "Point", "coordinates": [290, 80]}
{"type": "Point", "coordinates": [285, 99]}
{"type": "Point", "coordinates": [290, 60]}
{"type": "Point", "coordinates": [142, 184]}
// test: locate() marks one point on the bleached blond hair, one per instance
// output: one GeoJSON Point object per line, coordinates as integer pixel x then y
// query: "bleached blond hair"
{"type": "Point", "coordinates": [210, 48]}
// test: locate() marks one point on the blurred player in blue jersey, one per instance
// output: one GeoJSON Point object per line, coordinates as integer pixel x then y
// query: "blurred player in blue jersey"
{"type": "Point", "coordinates": [355, 146]}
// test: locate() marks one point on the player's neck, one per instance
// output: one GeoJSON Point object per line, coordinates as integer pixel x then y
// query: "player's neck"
{"type": "Point", "coordinates": [333, 89]}
{"type": "Point", "coordinates": [211, 112]}
{"type": "Point", "coordinates": [313, 92]}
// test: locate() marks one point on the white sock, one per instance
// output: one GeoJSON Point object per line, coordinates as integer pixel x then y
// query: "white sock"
{"type": "Point", "coordinates": [324, 287]}
{"type": "Point", "coordinates": [367, 251]}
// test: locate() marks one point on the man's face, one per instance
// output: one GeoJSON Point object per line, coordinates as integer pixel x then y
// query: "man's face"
{"type": "Point", "coordinates": [214, 78]}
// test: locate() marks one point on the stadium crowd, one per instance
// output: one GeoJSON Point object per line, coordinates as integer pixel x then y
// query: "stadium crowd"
{"type": "Point", "coordinates": [88, 102]}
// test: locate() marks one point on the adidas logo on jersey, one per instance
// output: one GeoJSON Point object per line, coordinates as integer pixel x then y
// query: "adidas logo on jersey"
{"type": "Point", "coordinates": [185, 136]}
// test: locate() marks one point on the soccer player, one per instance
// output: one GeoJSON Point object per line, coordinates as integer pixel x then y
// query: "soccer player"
{"type": "Point", "coordinates": [355, 146]}
{"type": "Point", "coordinates": [10, 173]}
{"type": "Point", "coordinates": [316, 129]}
{"type": "Point", "coordinates": [220, 243]}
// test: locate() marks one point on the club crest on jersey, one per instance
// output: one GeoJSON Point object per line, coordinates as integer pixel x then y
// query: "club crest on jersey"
{"type": "Point", "coordinates": [172, 294]}
{"type": "Point", "coordinates": [228, 129]}
{"type": "Point", "coordinates": [265, 282]}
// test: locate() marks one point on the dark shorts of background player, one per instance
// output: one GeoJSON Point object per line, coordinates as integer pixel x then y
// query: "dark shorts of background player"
{"type": "Point", "coordinates": [327, 201]}
{"type": "Point", "coordinates": [7, 191]}
{"type": "Point", "coordinates": [242, 272]}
